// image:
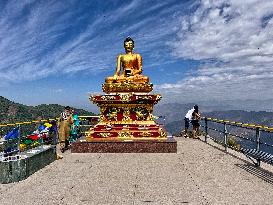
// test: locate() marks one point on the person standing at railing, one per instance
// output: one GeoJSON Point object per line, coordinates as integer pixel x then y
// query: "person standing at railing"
{"type": "Point", "coordinates": [196, 116]}
{"type": "Point", "coordinates": [64, 123]}
{"type": "Point", "coordinates": [187, 120]}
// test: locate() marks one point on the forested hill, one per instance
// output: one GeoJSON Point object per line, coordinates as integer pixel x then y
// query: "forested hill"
{"type": "Point", "coordinates": [15, 112]}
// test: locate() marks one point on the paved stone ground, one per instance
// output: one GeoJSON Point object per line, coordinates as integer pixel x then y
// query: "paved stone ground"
{"type": "Point", "coordinates": [199, 173]}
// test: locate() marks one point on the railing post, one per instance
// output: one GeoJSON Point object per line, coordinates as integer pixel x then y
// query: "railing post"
{"type": "Point", "coordinates": [55, 134]}
{"type": "Point", "coordinates": [258, 136]}
{"type": "Point", "coordinates": [19, 138]}
{"type": "Point", "coordinates": [225, 135]}
{"type": "Point", "coordinates": [206, 129]}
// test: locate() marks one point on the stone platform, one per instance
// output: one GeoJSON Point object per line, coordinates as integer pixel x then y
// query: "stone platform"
{"type": "Point", "coordinates": [197, 174]}
{"type": "Point", "coordinates": [118, 145]}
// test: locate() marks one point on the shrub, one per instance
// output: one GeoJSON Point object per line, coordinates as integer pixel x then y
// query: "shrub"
{"type": "Point", "coordinates": [232, 143]}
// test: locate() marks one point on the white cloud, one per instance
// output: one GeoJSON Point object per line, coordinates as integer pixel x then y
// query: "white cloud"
{"type": "Point", "coordinates": [40, 38]}
{"type": "Point", "coordinates": [234, 39]}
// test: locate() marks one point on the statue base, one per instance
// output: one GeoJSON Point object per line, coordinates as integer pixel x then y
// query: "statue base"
{"type": "Point", "coordinates": [126, 126]}
{"type": "Point", "coordinates": [126, 115]}
{"type": "Point", "coordinates": [125, 145]}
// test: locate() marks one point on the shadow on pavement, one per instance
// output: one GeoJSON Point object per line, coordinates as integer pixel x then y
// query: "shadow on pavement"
{"type": "Point", "coordinates": [263, 174]}
{"type": "Point", "coordinates": [257, 171]}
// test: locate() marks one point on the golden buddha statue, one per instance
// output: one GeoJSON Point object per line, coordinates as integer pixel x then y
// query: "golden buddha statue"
{"type": "Point", "coordinates": [131, 64]}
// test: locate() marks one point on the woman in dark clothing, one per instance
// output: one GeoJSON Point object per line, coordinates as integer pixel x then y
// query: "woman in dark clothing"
{"type": "Point", "coordinates": [195, 122]}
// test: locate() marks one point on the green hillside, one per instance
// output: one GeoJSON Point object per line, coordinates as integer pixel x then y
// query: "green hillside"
{"type": "Point", "coordinates": [14, 112]}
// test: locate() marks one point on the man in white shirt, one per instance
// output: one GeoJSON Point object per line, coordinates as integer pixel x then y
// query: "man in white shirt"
{"type": "Point", "coordinates": [187, 119]}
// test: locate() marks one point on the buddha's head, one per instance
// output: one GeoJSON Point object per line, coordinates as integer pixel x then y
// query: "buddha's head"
{"type": "Point", "coordinates": [128, 44]}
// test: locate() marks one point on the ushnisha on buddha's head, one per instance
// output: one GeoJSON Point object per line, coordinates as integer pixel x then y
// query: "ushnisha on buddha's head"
{"type": "Point", "coordinates": [129, 44]}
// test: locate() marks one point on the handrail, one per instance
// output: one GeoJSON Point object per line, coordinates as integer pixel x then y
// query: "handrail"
{"type": "Point", "coordinates": [27, 122]}
{"type": "Point", "coordinates": [89, 116]}
{"type": "Point", "coordinates": [24, 127]}
{"type": "Point", "coordinates": [239, 124]}
{"type": "Point", "coordinates": [258, 129]}
{"type": "Point", "coordinates": [45, 120]}
{"type": "Point", "coordinates": [23, 133]}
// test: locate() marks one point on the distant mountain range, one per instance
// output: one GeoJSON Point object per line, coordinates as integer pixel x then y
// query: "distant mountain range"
{"type": "Point", "coordinates": [174, 114]}
{"type": "Point", "coordinates": [176, 111]}
{"type": "Point", "coordinates": [14, 112]}
{"type": "Point", "coordinates": [258, 104]}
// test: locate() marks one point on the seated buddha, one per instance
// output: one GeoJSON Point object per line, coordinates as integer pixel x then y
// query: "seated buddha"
{"type": "Point", "coordinates": [131, 64]}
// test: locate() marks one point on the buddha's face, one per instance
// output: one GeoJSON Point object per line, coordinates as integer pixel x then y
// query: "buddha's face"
{"type": "Point", "coordinates": [129, 46]}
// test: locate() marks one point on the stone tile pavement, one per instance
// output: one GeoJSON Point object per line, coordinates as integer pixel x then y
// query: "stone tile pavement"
{"type": "Point", "coordinates": [199, 173]}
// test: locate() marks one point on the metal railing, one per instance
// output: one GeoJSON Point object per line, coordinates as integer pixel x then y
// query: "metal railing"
{"type": "Point", "coordinates": [26, 131]}
{"type": "Point", "coordinates": [247, 135]}
{"type": "Point", "coordinates": [224, 129]}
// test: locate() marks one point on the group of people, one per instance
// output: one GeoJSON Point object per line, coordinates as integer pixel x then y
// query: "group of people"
{"type": "Point", "coordinates": [67, 128]}
{"type": "Point", "coordinates": [193, 116]}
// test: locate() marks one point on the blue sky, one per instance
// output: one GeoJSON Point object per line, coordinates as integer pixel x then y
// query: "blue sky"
{"type": "Point", "coordinates": [61, 51]}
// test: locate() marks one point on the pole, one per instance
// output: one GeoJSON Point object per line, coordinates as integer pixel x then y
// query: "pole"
{"type": "Point", "coordinates": [206, 129]}
{"type": "Point", "coordinates": [225, 135]}
{"type": "Point", "coordinates": [258, 136]}
{"type": "Point", "coordinates": [19, 138]}
{"type": "Point", "coordinates": [56, 137]}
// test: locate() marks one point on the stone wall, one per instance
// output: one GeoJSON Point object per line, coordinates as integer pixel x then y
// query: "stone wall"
{"type": "Point", "coordinates": [19, 167]}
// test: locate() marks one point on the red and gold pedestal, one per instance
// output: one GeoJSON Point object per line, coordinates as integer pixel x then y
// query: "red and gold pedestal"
{"type": "Point", "coordinates": [126, 116]}
{"type": "Point", "coordinates": [126, 125]}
